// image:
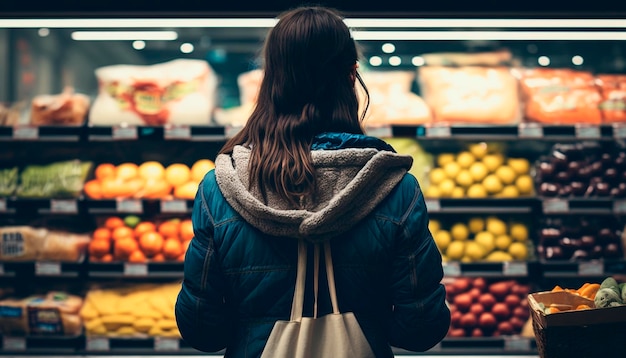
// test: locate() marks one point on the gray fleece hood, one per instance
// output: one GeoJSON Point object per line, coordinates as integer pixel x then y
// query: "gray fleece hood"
{"type": "Point", "coordinates": [351, 182]}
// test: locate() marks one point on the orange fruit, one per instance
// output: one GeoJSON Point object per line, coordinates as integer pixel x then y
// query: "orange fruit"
{"type": "Point", "coordinates": [151, 170]}
{"type": "Point", "coordinates": [124, 247]}
{"type": "Point", "coordinates": [177, 174]}
{"type": "Point", "coordinates": [106, 258]}
{"type": "Point", "coordinates": [101, 233]}
{"type": "Point", "coordinates": [186, 191]}
{"type": "Point", "coordinates": [104, 170]}
{"type": "Point", "coordinates": [154, 189]}
{"type": "Point", "coordinates": [169, 228]}
{"type": "Point", "coordinates": [113, 222]}
{"type": "Point", "coordinates": [172, 248]}
{"type": "Point", "coordinates": [93, 189]}
{"type": "Point", "coordinates": [99, 247]}
{"type": "Point", "coordinates": [200, 168]}
{"type": "Point", "coordinates": [144, 227]}
{"type": "Point", "coordinates": [181, 258]}
{"type": "Point", "coordinates": [137, 256]}
{"type": "Point", "coordinates": [186, 245]}
{"type": "Point", "coordinates": [122, 232]}
{"type": "Point", "coordinates": [151, 243]}
{"type": "Point", "coordinates": [158, 258]}
{"type": "Point", "coordinates": [127, 171]}
{"type": "Point", "coordinates": [186, 230]}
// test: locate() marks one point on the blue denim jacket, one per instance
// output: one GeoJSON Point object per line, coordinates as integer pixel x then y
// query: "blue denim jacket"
{"type": "Point", "coordinates": [239, 279]}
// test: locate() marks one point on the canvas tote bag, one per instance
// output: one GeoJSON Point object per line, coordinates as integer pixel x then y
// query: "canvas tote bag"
{"type": "Point", "coordinates": [335, 335]}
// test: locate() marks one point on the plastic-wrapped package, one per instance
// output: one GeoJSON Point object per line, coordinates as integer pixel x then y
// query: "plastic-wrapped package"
{"type": "Point", "coordinates": [180, 91]}
{"type": "Point", "coordinates": [471, 94]}
{"type": "Point", "coordinates": [391, 99]}
{"type": "Point", "coordinates": [560, 96]}
{"type": "Point", "coordinates": [613, 91]}
{"type": "Point", "coordinates": [66, 108]}
{"type": "Point", "coordinates": [25, 243]}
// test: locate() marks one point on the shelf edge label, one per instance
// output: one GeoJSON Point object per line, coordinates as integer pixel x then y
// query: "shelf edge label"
{"type": "Point", "coordinates": [97, 344]}
{"type": "Point", "coordinates": [591, 268]}
{"type": "Point", "coordinates": [379, 131]}
{"type": "Point", "coordinates": [619, 130]}
{"type": "Point", "coordinates": [13, 343]}
{"type": "Point", "coordinates": [584, 131]}
{"type": "Point", "coordinates": [433, 205]}
{"type": "Point", "coordinates": [135, 269]}
{"type": "Point", "coordinates": [451, 269]}
{"type": "Point", "coordinates": [43, 268]}
{"type": "Point", "coordinates": [64, 206]}
{"type": "Point", "coordinates": [166, 344]}
{"type": "Point", "coordinates": [555, 206]}
{"type": "Point", "coordinates": [26, 132]}
{"type": "Point", "coordinates": [619, 207]}
{"type": "Point", "coordinates": [174, 206]}
{"type": "Point", "coordinates": [129, 206]}
{"type": "Point", "coordinates": [438, 131]}
{"type": "Point", "coordinates": [530, 130]}
{"type": "Point", "coordinates": [124, 132]}
{"type": "Point", "coordinates": [513, 343]}
{"type": "Point", "coordinates": [514, 268]}
{"type": "Point", "coordinates": [177, 132]}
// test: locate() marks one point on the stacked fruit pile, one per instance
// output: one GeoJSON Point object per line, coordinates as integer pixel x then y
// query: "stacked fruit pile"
{"type": "Point", "coordinates": [576, 238]}
{"type": "Point", "coordinates": [133, 240]}
{"type": "Point", "coordinates": [137, 311]}
{"type": "Point", "coordinates": [583, 170]}
{"type": "Point", "coordinates": [149, 180]}
{"type": "Point", "coordinates": [482, 170]}
{"type": "Point", "coordinates": [482, 239]}
{"type": "Point", "coordinates": [486, 309]}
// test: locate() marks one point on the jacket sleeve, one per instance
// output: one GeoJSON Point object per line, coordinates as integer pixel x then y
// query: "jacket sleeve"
{"type": "Point", "coordinates": [420, 317]}
{"type": "Point", "coordinates": [201, 311]}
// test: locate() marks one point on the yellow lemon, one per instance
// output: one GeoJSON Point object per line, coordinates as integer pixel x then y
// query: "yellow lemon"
{"type": "Point", "coordinates": [493, 161]}
{"type": "Point", "coordinates": [520, 165]}
{"type": "Point", "coordinates": [492, 184]}
{"type": "Point", "coordinates": [459, 231]}
{"type": "Point", "coordinates": [476, 191]}
{"type": "Point", "coordinates": [436, 176]}
{"type": "Point", "coordinates": [486, 240]}
{"type": "Point", "coordinates": [177, 174]}
{"type": "Point", "coordinates": [445, 158]}
{"type": "Point", "coordinates": [506, 174]}
{"type": "Point", "coordinates": [151, 170]}
{"type": "Point", "coordinates": [446, 187]}
{"type": "Point", "coordinates": [499, 256]}
{"type": "Point", "coordinates": [479, 150]}
{"type": "Point", "coordinates": [200, 168]}
{"type": "Point", "coordinates": [503, 242]}
{"type": "Point", "coordinates": [479, 171]}
{"type": "Point", "coordinates": [496, 226]}
{"type": "Point", "coordinates": [509, 191]}
{"type": "Point", "coordinates": [432, 192]}
{"type": "Point", "coordinates": [456, 250]}
{"type": "Point", "coordinates": [518, 232]}
{"type": "Point", "coordinates": [452, 169]}
{"type": "Point", "coordinates": [442, 239]}
{"type": "Point", "coordinates": [524, 184]}
{"type": "Point", "coordinates": [434, 225]}
{"type": "Point", "coordinates": [465, 159]}
{"type": "Point", "coordinates": [458, 192]}
{"type": "Point", "coordinates": [475, 251]}
{"type": "Point", "coordinates": [518, 250]}
{"type": "Point", "coordinates": [476, 224]}
{"type": "Point", "coordinates": [464, 178]}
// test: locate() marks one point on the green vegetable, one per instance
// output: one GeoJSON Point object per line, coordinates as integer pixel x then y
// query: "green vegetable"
{"type": "Point", "coordinates": [611, 283]}
{"type": "Point", "coordinates": [607, 297]}
{"type": "Point", "coordinates": [56, 180]}
{"type": "Point", "coordinates": [622, 287]}
{"type": "Point", "coordinates": [8, 181]}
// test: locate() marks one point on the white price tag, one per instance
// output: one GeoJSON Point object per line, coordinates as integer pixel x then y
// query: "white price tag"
{"type": "Point", "coordinates": [587, 131]}
{"type": "Point", "coordinates": [177, 132]}
{"type": "Point", "coordinates": [619, 131]}
{"type": "Point", "coordinates": [433, 205]}
{"type": "Point", "coordinates": [13, 343]}
{"type": "Point", "coordinates": [438, 131]}
{"type": "Point", "coordinates": [25, 132]}
{"type": "Point", "coordinates": [555, 206]}
{"type": "Point", "coordinates": [97, 344]}
{"type": "Point", "coordinates": [514, 343]}
{"type": "Point", "coordinates": [231, 131]}
{"type": "Point", "coordinates": [47, 268]}
{"type": "Point", "coordinates": [173, 206]}
{"type": "Point", "coordinates": [530, 130]}
{"type": "Point", "coordinates": [3, 205]}
{"type": "Point", "coordinates": [166, 344]}
{"type": "Point", "coordinates": [129, 206]}
{"type": "Point", "coordinates": [135, 269]}
{"type": "Point", "coordinates": [619, 207]}
{"type": "Point", "coordinates": [590, 268]}
{"type": "Point", "coordinates": [69, 206]}
{"type": "Point", "coordinates": [514, 268]}
{"type": "Point", "coordinates": [379, 131]}
{"type": "Point", "coordinates": [124, 132]}
{"type": "Point", "coordinates": [451, 269]}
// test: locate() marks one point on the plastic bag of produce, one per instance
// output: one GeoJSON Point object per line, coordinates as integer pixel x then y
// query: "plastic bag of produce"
{"type": "Point", "coordinates": [66, 108]}
{"type": "Point", "coordinates": [180, 91]}
{"type": "Point", "coordinates": [391, 99]}
{"type": "Point", "coordinates": [25, 243]}
{"type": "Point", "coordinates": [471, 94]}
{"type": "Point", "coordinates": [56, 180]}
{"type": "Point", "coordinates": [613, 91]}
{"type": "Point", "coordinates": [560, 96]}
{"type": "Point", "coordinates": [8, 181]}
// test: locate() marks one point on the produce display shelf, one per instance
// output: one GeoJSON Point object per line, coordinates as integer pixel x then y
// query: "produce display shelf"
{"type": "Point", "coordinates": [492, 269]}
{"type": "Point", "coordinates": [481, 205]}
{"type": "Point", "coordinates": [583, 205]}
{"type": "Point", "coordinates": [88, 345]}
{"type": "Point", "coordinates": [178, 132]}
{"type": "Point", "coordinates": [43, 133]}
{"type": "Point", "coordinates": [41, 269]}
{"type": "Point", "coordinates": [594, 268]}
{"type": "Point", "coordinates": [136, 270]}
{"type": "Point", "coordinates": [139, 206]}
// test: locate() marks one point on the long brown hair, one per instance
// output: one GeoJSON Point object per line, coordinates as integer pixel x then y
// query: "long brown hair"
{"type": "Point", "coordinates": [307, 89]}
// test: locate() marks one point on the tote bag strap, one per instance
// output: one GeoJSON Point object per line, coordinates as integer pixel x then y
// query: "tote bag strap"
{"type": "Point", "coordinates": [298, 293]}
{"type": "Point", "coordinates": [330, 275]}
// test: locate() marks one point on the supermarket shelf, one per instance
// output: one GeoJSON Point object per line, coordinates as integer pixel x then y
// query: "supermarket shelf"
{"type": "Point", "coordinates": [82, 345]}
{"type": "Point", "coordinates": [137, 270]}
{"type": "Point", "coordinates": [482, 205]}
{"type": "Point", "coordinates": [492, 269]}
{"type": "Point", "coordinates": [139, 206]}
{"type": "Point", "coordinates": [583, 205]}
{"type": "Point", "coordinates": [179, 132]}
{"type": "Point", "coordinates": [42, 133]}
{"type": "Point", "coordinates": [599, 268]}
{"type": "Point", "coordinates": [41, 269]}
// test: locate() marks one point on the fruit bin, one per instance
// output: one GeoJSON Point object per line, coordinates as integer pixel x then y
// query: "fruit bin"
{"type": "Point", "coordinates": [595, 332]}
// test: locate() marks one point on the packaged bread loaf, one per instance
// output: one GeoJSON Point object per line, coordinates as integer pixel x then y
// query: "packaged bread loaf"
{"type": "Point", "coordinates": [613, 91]}
{"type": "Point", "coordinates": [560, 96]}
{"type": "Point", "coordinates": [25, 243]}
{"type": "Point", "coordinates": [471, 94]}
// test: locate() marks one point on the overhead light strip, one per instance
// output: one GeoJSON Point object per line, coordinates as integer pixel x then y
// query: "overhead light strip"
{"type": "Point", "coordinates": [487, 35]}
{"type": "Point", "coordinates": [351, 22]}
{"type": "Point", "coordinates": [124, 35]}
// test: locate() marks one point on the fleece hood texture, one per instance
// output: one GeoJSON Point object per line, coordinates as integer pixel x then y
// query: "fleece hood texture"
{"type": "Point", "coordinates": [355, 173]}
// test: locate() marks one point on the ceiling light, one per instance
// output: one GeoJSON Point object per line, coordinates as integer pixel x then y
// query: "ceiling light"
{"type": "Point", "coordinates": [139, 45]}
{"type": "Point", "coordinates": [486, 35]}
{"type": "Point", "coordinates": [418, 61]}
{"type": "Point", "coordinates": [123, 35]}
{"type": "Point", "coordinates": [543, 60]}
{"type": "Point", "coordinates": [578, 60]}
{"type": "Point", "coordinates": [395, 61]}
{"type": "Point", "coordinates": [43, 32]}
{"type": "Point", "coordinates": [376, 61]}
{"type": "Point", "coordinates": [186, 48]}
{"type": "Point", "coordinates": [388, 47]}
